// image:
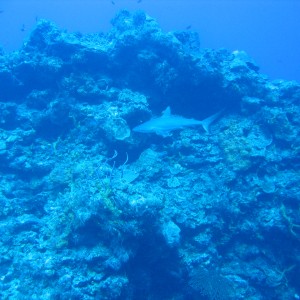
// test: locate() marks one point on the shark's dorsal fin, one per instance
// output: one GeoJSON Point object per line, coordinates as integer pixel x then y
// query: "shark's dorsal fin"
{"type": "Point", "coordinates": [166, 112]}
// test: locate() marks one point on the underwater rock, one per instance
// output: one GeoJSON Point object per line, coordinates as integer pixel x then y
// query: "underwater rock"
{"type": "Point", "coordinates": [91, 210]}
{"type": "Point", "coordinates": [171, 233]}
{"type": "Point", "coordinates": [117, 128]}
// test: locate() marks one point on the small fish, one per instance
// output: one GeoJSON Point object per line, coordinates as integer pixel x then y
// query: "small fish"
{"type": "Point", "coordinates": [112, 2]}
{"type": "Point", "coordinates": [1, 11]}
{"type": "Point", "coordinates": [139, 1]}
{"type": "Point", "coordinates": [167, 123]}
{"type": "Point", "coordinates": [23, 28]}
{"type": "Point", "coordinates": [188, 27]}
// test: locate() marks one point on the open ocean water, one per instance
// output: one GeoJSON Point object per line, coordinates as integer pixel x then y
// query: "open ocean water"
{"type": "Point", "coordinates": [149, 150]}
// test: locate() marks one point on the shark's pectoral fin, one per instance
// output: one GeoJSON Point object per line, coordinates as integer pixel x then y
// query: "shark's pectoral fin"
{"type": "Point", "coordinates": [163, 133]}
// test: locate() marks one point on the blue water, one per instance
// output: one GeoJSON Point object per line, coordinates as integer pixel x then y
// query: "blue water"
{"type": "Point", "coordinates": [189, 207]}
{"type": "Point", "coordinates": [266, 30]}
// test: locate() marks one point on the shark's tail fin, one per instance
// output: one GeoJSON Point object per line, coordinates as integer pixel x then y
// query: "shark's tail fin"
{"type": "Point", "coordinates": [206, 122]}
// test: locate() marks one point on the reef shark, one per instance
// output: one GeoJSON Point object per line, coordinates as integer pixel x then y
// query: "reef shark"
{"type": "Point", "coordinates": [167, 123]}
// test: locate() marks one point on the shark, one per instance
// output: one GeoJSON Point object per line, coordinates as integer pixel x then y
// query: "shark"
{"type": "Point", "coordinates": [168, 122]}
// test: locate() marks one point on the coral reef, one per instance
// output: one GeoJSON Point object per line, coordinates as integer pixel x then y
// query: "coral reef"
{"type": "Point", "coordinates": [92, 210]}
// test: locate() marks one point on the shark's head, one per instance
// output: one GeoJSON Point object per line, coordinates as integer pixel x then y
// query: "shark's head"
{"type": "Point", "coordinates": [143, 128]}
{"type": "Point", "coordinates": [155, 124]}
{"type": "Point", "coordinates": [152, 127]}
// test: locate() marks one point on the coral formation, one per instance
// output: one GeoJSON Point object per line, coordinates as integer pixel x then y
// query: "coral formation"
{"type": "Point", "coordinates": [92, 210]}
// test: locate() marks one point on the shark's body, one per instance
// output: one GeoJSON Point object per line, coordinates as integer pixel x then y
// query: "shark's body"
{"type": "Point", "coordinates": [167, 123]}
